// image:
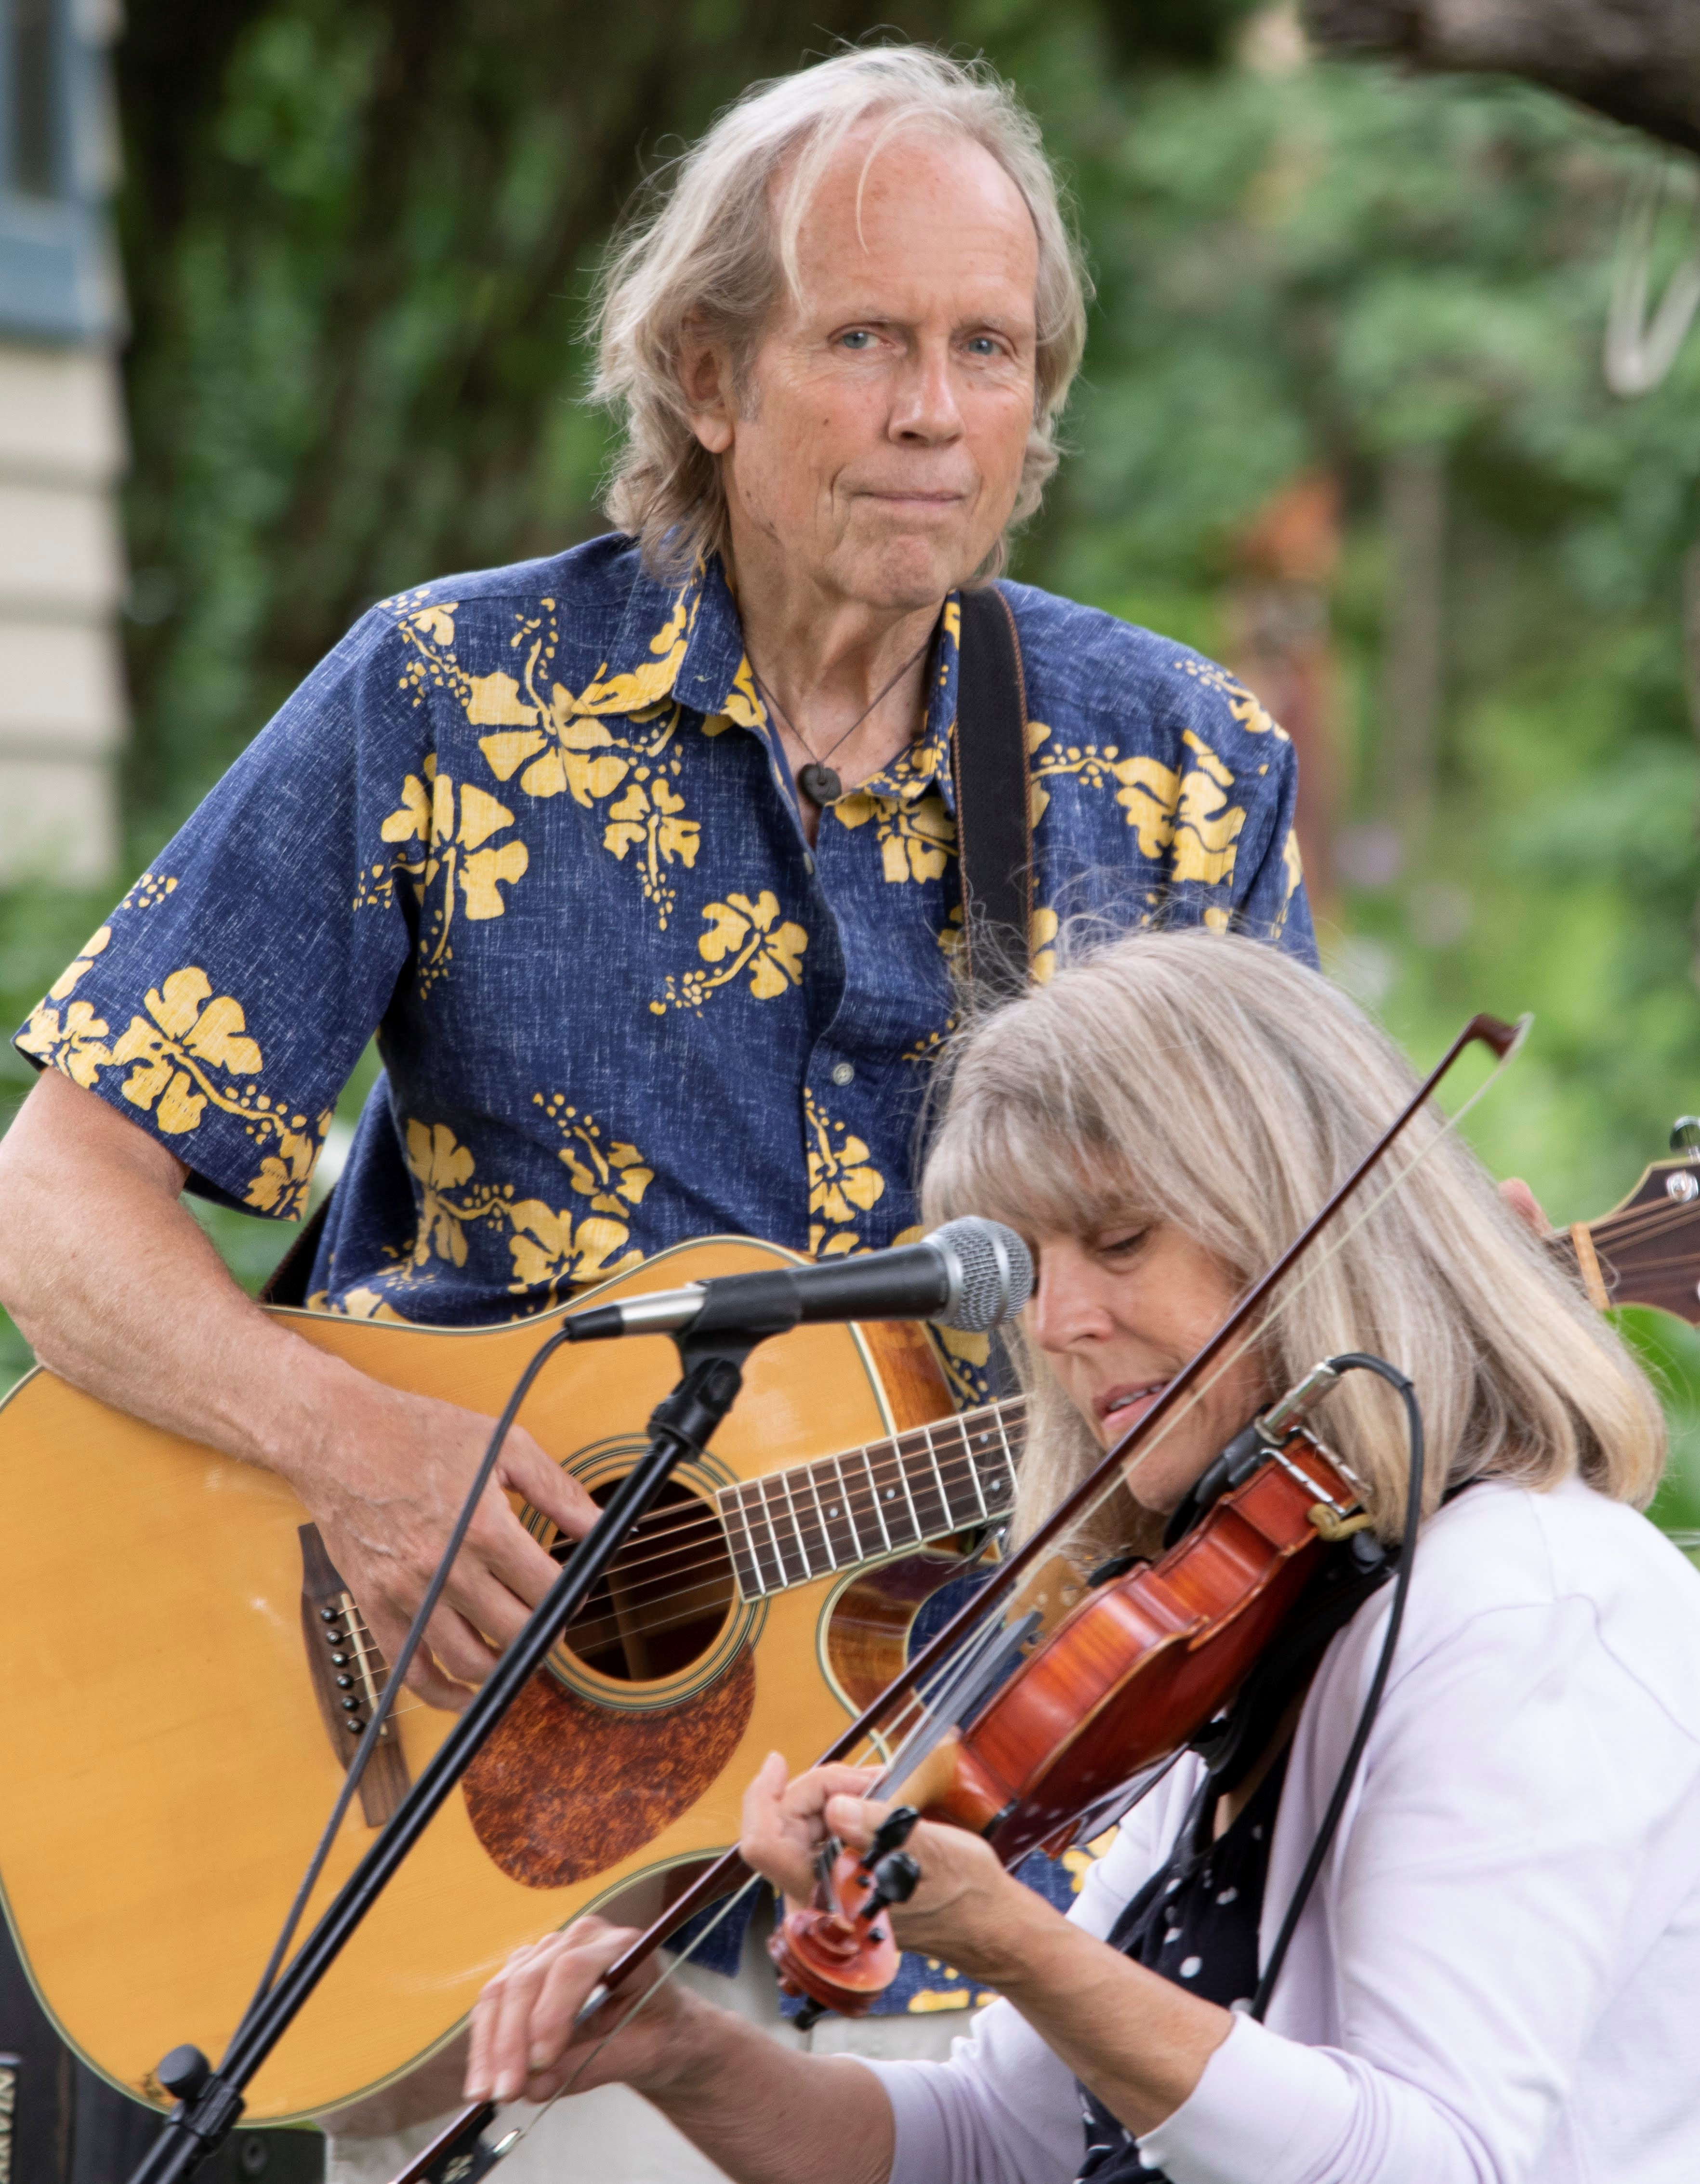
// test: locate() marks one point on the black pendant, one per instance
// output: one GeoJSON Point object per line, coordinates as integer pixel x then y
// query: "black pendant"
{"type": "Point", "coordinates": [820, 784]}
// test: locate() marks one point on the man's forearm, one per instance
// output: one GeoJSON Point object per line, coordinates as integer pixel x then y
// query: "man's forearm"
{"type": "Point", "coordinates": [766, 2115]}
{"type": "Point", "coordinates": [117, 1288]}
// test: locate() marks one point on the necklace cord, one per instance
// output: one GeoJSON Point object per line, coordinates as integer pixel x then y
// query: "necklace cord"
{"type": "Point", "coordinates": [786, 721]}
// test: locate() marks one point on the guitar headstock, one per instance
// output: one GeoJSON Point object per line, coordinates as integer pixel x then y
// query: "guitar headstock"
{"type": "Point", "coordinates": [1648, 1248]}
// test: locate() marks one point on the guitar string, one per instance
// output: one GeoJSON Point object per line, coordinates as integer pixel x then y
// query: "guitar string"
{"type": "Point", "coordinates": [1645, 1221]}
{"type": "Point", "coordinates": [1639, 1224]}
{"type": "Point", "coordinates": [816, 1535]}
{"type": "Point", "coordinates": [715, 1565]}
{"type": "Point", "coordinates": [959, 1469]}
{"type": "Point", "coordinates": [904, 1458]}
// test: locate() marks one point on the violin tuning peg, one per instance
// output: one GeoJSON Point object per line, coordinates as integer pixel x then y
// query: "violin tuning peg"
{"type": "Point", "coordinates": [896, 1879]}
{"type": "Point", "coordinates": [892, 1833]}
{"type": "Point", "coordinates": [1685, 1135]}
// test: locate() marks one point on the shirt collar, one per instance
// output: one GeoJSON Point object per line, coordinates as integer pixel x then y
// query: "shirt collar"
{"type": "Point", "coordinates": [688, 644]}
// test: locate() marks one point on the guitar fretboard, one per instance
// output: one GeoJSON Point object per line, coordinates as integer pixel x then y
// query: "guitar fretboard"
{"type": "Point", "coordinates": [867, 1502]}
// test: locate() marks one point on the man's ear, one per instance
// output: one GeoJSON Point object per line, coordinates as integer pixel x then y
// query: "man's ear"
{"type": "Point", "coordinates": [705, 377]}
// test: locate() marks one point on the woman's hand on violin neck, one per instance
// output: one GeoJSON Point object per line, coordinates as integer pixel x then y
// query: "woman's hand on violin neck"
{"type": "Point", "coordinates": [965, 1908]}
{"type": "Point", "coordinates": [525, 2039]}
{"type": "Point", "coordinates": [785, 1822]}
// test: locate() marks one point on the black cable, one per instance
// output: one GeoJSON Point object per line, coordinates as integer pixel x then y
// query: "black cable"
{"type": "Point", "coordinates": [1358, 1361]}
{"type": "Point", "coordinates": [398, 1670]}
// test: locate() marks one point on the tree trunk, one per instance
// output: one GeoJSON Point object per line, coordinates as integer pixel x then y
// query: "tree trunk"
{"type": "Point", "coordinates": [1637, 61]}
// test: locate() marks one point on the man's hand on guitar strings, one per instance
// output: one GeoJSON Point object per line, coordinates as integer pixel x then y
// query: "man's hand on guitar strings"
{"type": "Point", "coordinates": [385, 1484]}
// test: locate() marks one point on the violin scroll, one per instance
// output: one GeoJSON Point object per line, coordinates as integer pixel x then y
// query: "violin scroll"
{"type": "Point", "coordinates": [836, 1953]}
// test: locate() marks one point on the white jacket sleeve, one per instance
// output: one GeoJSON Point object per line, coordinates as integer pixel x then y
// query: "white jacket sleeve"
{"type": "Point", "coordinates": [1004, 2109]}
{"type": "Point", "coordinates": [1521, 1833]}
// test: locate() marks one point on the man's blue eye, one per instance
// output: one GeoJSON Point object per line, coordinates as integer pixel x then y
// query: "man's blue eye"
{"type": "Point", "coordinates": [983, 345]}
{"type": "Point", "coordinates": [857, 335]}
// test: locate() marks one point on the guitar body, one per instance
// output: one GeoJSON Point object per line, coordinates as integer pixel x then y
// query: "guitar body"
{"type": "Point", "coordinates": [169, 1762]}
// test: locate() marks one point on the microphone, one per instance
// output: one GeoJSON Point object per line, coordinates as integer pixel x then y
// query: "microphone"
{"type": "Point", "coordinates": [968, 1275]}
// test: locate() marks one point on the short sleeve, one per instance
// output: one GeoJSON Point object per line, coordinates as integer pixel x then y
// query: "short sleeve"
{"type": "Point", "coordinates": [225, 1002]}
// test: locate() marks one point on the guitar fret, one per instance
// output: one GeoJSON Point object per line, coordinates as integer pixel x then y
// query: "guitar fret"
{"type": "Point", "coordinates": [866, 1456]}
{"type": "Point", "coordinates": [835, 1517]}
{"type": "Point", "coordinates": [938, 1476]}
{"type": "Point", "coordinates": [925, 1485]}
{"type": "Point", "coordinates": [858, 1553]}
{"type": "Point", "coordinates": [808, 1570]}
{"type": "Point", "coordinates": [821, 1516]}
{"type": "Point", "coordinates": [788, 1575]}
{"type": "Point", "coordinates": [745, 1568]}
{"type": "Point", "coordinates": [903, 1525]}
{"type": "Point", "coordinates": [753, 1497]}
{"type": "Point", "coordinates": [973, 1467]}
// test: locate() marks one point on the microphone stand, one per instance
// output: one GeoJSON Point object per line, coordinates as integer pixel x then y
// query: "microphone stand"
{"type": "Point", "coordinates": [711, 1358]}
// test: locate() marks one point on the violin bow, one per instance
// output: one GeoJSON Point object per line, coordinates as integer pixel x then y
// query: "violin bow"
{"type": "Point", "coordinates": [1502, 1039]}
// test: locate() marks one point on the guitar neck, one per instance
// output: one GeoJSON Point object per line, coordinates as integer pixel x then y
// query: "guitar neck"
{"type": "Point", "coordinates": [845, 1510]}
{"type": "Point", "coordinates": [1646, 1251]}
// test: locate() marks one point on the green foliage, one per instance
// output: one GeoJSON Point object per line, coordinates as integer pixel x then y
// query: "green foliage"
{"type": "Point", "coordinates": [1671, 1352]}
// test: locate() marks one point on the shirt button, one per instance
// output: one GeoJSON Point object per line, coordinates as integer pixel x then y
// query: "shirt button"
{"type": "Point", "coordinates": [808, 862]}
{"type": "Point", "coordinates": [843, 1073]}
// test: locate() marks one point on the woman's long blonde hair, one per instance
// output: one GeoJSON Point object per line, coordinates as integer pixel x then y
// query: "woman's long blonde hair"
{"type": "Point", "coordinates": [1203, 1079]}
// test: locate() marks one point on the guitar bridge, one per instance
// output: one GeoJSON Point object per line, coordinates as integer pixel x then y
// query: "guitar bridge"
{"type": "Point", "coordinates": [349, 1675]}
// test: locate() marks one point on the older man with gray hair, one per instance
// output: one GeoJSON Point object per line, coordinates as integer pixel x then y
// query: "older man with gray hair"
{"type": "Point", "coordinates": [641, 860]}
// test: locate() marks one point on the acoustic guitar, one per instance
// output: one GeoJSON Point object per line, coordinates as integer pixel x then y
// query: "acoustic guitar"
{"type": "Point", "coordinates": [186, 1673]}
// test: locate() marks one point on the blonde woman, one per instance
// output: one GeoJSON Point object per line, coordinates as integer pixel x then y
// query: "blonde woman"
{"type": "Point", "coordinates": [1497, 1974]}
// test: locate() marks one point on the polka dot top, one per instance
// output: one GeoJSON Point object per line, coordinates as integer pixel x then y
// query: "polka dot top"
{"type": "Point", "coordinates": [1194, 1922]}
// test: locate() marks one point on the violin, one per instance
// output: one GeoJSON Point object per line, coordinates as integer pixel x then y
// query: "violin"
{"type": "Point", "coordinates": [1123, 1684]}
{"type": "Point", "coordinates": [1137, 1668]}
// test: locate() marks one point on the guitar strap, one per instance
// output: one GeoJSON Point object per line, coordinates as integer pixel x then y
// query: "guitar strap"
{"type": "Point", "coordinates": [994, 806]}
{"type": "Point", "coordinates": [993, 840]}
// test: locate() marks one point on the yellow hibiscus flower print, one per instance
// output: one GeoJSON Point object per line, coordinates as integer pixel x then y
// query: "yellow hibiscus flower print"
{"type": "Point", "coordinates": [742, 936]}
{"type": "Point", "coordinates": [439, 1165]}
{"type": "Point", "coordinates": [453, 828]}
{"type": "Point", "coordinates": [550, 1251]}
{"type": "Point", "coordinates": [66, 983]}
{"type": "Point", "coordinates": [281, 1186]}
{"type": "Point", "coordinates": [612, 1177]}
{"type": "Point", "coordinates": [649, 820]}
{"type": "Point", "coordinates": [842, 1182]}
{"type": "Point", "coordinates": [187, 1033]}
{"type": "Point", "coordinates": [190, 1051]}
{"type": "Point", "coordinates": [917, 840]}
{"type": "Point", "coordinates": [74, 1045]}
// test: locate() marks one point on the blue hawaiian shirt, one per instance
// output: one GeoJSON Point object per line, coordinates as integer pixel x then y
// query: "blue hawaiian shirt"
{"type": "Point", "coordinates": [532, 826]}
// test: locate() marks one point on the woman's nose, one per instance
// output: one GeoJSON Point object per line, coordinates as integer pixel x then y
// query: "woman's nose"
{"type": "Point", "coordinates": [1068, 1304]}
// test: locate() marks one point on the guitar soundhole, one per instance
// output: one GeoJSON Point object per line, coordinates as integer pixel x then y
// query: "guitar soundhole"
{"type": "Point", "coordinates": [666, 1595]}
